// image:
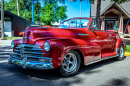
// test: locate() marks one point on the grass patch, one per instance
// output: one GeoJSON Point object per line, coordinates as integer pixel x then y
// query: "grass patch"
{"type": "Point", "coordinates": [12, 38]}
{"type": "Point", "coordinates": [127, 48]}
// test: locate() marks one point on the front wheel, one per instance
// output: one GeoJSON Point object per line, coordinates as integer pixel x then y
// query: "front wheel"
{"type": "Point", "coordinates": [70, 64]}
{"type": "Point", "coordinates": [121, 54]}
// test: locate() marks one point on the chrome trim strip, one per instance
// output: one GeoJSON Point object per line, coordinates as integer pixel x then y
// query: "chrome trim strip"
{"type": "Point", "coordinates": [17, 50]}
{"type": "Point", "coordinates": [18, 47]}
{"type": "Point", "coordinates": [29, 45]}
{"type": "Point", "coordinates": [100, 31]}
{"type": "Point", "coordinates": [101, 59]}
{"type": "Point", "coordinates": [38, 57]}
{"type": "Point", "coordinates": [16, 53]}
{"type": "Point", "coordinates": [32, 49]}
{"type": "Point", "coordinates": [84, 34]}
{"type": "Point", "coordinates": [30, 57]}
{"type": "Point", "coordinates": [32, 52]}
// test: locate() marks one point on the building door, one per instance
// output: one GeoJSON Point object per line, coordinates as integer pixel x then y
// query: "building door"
{"type": "Point", "coordinates": [7, 28]}
{"type": "Point", "coordinates": [111, 24]}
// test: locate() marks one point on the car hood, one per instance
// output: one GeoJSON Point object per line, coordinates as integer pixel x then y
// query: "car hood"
{"type": "Point", "coordinates": [33, 34]}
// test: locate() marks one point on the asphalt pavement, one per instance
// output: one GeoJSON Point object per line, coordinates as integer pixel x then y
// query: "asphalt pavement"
{"type": "Point", "coordinates": [105, 73]}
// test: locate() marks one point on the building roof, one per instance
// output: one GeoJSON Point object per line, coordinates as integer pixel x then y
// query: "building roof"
{"type": "Point", "coordinates": [106, 4]}
{"type": "Point", "coordinates": [13, 15]}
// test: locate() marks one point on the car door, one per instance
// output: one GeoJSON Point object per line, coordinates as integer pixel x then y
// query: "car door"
{"type": "Point", "coordinates": [103, 40]}
{"type": "Point", "coordinates": [94, 39]}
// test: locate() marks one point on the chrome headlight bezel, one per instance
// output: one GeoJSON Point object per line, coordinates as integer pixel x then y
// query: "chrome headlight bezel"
{"type": "Point", "coordinates": [12, 44]}
{"type": "Point", "coordinates": [46, 46]}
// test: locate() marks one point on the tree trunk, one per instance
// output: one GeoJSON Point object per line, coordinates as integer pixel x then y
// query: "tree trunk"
{"type": "Point", "coordinates": [2, 19]}
{"type": "Point", "coordinates": [18, 7]}
{"type": "Point", "coordinates": [98, 14]}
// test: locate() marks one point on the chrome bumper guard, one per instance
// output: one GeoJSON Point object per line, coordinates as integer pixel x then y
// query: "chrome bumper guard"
{"type": "Point", "coordinates": [31, 64]}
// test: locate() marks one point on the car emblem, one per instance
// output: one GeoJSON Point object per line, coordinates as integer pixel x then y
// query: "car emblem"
{"type": "Point", "coordinates": [24, 60]}
{"type": "Point", "coordinates": [21, 52]}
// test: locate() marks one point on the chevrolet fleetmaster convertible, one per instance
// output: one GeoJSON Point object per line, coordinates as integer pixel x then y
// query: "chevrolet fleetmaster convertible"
{"type": "Point", "coordinates": [76, 41]}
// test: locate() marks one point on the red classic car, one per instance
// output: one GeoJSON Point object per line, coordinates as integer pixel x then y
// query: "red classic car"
{"type": "Point", "coordinates": [76, 41]}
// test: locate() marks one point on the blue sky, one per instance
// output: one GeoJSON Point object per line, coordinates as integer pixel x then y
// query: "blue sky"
{"type": "Point", "coordinates": [73, 8]}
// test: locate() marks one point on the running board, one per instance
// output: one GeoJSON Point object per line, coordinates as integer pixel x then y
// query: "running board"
{"type": "Point", "coordinates": [101, 59]}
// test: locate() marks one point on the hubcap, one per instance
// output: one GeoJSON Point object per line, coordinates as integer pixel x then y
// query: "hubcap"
{"type": "Point", "coordinates": [121, 52]}
{"type": "Point", "coordinates": [69, 62]}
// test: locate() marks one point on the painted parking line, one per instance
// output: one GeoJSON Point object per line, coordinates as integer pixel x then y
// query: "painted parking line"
{"type": "Point", "coordinates": [3, 61]}
{"type": "Point", "coordinates": [127, 53]}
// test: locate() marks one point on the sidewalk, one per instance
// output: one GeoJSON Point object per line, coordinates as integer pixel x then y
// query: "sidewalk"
{"type": "Point", "coordinates": [127, 40]}
{"type": "Point", "coordinates": [5, 42]}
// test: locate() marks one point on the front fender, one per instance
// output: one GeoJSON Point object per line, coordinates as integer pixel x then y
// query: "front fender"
{"type": "Point", "coordinates": [62, 46]}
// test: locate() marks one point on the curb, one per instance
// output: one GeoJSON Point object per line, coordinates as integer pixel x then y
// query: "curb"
{"type": "Point", "coordinates": [127, 54]}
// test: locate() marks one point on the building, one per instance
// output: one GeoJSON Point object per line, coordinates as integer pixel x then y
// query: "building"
{"type": "Point", "coordinates": [13, 24]}
{"type": "Point", "coordinates": [113, 16]}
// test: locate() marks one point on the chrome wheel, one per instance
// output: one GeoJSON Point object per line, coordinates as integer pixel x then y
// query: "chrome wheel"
{"type": "Point", "coordinates": [70, 62]}
{"type": "Point", "coordinates": [121, 52]}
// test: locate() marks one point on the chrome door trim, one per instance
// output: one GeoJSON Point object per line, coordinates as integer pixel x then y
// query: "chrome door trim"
{"type": "Point", "coordinates": [101, 59]}
{"type": "Point", "coordinates": [83, 34]}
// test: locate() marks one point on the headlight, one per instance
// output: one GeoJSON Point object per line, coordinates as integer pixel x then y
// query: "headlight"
{"type": "Point", "coordinates": [12, 44]}
{"type": "Point", "coordinates": [47, 46]}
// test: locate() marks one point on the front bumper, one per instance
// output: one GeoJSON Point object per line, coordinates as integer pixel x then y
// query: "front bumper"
{"type": "Point", "coordinates": [30, 64]}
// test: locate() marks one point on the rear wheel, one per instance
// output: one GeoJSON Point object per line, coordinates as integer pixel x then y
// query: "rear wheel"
{"type": "Point", "coordinates": [121, 54]}
{"type": "Point", "coordinates": [70, 64]}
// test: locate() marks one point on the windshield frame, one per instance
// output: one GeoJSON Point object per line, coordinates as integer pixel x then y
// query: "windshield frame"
{"type": "Point", "coordinates": [90, 20]}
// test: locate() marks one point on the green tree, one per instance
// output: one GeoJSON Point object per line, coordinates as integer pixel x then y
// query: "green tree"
{"type": "Point", "coordinates": [25, 8]}
{"type": "Point", "coordinates": [98, 8]}
{"type": "Point", "coordinates": [51, 12]}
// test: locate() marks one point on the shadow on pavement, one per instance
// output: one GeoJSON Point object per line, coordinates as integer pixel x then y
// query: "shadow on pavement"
{"type": "Point", "coordinates": [117, 82]}
{"type": "Point", "coordinates": [46, 74]}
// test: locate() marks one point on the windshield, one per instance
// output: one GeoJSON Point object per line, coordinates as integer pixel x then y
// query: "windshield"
{"type": "Point", "coordinates": [75, 23]}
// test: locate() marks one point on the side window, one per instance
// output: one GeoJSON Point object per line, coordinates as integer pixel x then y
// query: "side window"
{"type": "Point", "coordinates": [79, 23]}
{"type": "Point", "coordinates": [93, 24]}
{"type": "Point", "coordinates": [84, 23]}
{"type": "Point", "coordinates": [75, 23]}
{"type": "Point", "coordinates": [65, 24]}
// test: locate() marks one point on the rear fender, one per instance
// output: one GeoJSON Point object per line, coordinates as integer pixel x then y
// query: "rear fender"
{"type": "Point", "coordinates": [119, 42]}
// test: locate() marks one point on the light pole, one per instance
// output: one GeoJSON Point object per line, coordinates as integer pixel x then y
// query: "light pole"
{"type": "Point", "coordinates": [33, 11]}
{"type": "Point", "coordinates": [80, 9]}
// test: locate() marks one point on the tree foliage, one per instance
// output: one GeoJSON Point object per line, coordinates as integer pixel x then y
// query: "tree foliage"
{"type": "Point", "coordinates": [51, 12]}
{"type": "Point", "coordinates": [25, 8]}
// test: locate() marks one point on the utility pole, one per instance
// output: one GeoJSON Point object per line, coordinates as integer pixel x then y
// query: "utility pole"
{"type": "Point", "coordinates": [2, 19]}
{"type": "Point", "coordinates": [18, 7]}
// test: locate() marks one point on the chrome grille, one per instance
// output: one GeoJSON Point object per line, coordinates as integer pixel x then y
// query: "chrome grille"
{"type": "Point", "coordinates": [31, 51]}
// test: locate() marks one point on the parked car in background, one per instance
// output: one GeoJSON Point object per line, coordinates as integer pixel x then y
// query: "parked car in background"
{"type": "Point", "coordinates": [75, 42]}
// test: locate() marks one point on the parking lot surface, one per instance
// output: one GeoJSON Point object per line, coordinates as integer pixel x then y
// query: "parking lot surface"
{"type": "Point", "coordinates": [105, 73]}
